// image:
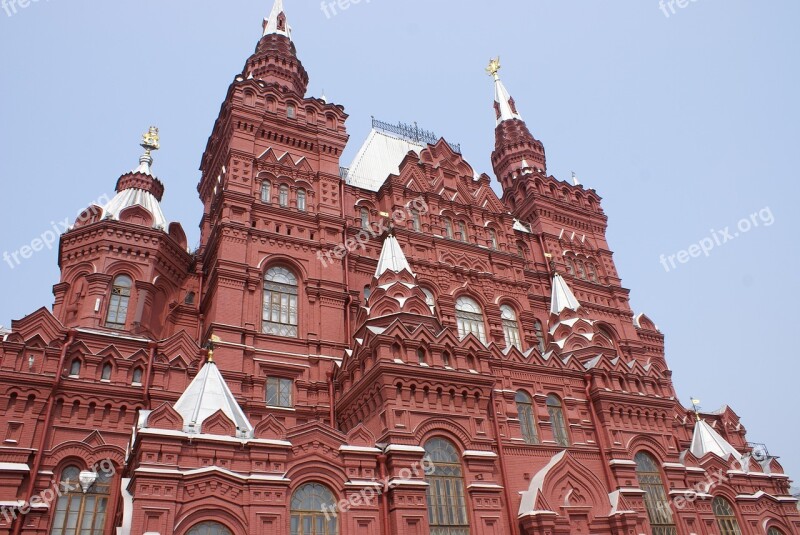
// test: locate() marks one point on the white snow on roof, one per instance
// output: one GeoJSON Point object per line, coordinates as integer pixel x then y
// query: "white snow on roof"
{"type": "Point", "coordinates": [379, 157]}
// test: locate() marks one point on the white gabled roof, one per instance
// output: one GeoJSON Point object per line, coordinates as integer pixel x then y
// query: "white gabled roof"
{"type": "Point", "coordinates": [206, 394]}
{"type": "Point", "coordinates": [379, 157]}
{"type": "Point", "coordinates": [562, 297]}
{"type": "Point", "coordinates": [707, 440]}
{"type": "Point", "coordinates": [392, 258]}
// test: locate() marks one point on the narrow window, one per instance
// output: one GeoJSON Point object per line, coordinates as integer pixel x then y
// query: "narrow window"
{"type": "Point", "coordinates": [469, 318]}
{"type": "Point", "coordinates": [510, 326]}
{"type": "Point", "coordinates": [421, 356]}
{"type": "Point", "coordinates": [525, 415]}
{"type": "Point", "coordinates": [118, 304]}
{"type": "Point", "coordinates": [279, 392]}
{"type": "Point", "coordinates": [592, 272]}
{"type": "Point", "coordinates": [581, 270]}
{"type": "Point", "coordinates": [447, 504]}
{"type": "Point", "coordinates": [291, 111]}
{"type": "Point", "coordinates": [570, 266]}
{"type": "Point", "coordinates": [301, 200]}
{"type": "Point", "coordinates": [280, 302]}
{"type": "Point", "coordinates": [655, 497]}
{"type": "Point", "coordinates": [429, 299]}
{"type": "Point", "coordinates": [537, 326]}
{"type": "Point", "coordinates": [75, 368]}
{"type": "Point", "coordinates": [137, 376]}
{"type": "Point", "coordinates": [106, 373]}
{"type": "Point", "coordinates": [493, 238]}
{"type": "Point", "coordinates": [266, 192]}
{"type": "Point", "coordinates": [365, 218]}
{"type": "Point", "coordinates": [415, 221]}
{"type": "Point", "coordinates": [556, 412]}
{"type": "Point", "coordinates": [462, 228]}
{"type": "Point", "coordinates": [283, 196]}
{"type": "Point", "coordinates": [448, 228]}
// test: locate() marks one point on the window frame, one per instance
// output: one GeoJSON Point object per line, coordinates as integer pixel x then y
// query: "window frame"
{"type": "Point", "coordinates": [266, 192]}
{"type": "Point", "coordinates": [525, 415]}
{"type": "Point", "coordinates": [446, 499]}
{"type": "Point", "coordinates": [301, 516]}
{"type": "Point", "coordinates": [302, 197]}
{"type": "Point", "coordinates": [283, 392]}
{"type": "Point", "coordinates": [281, 318]}
{"type": "Point", "coordinates": [72, 495]}
{"type": "Point", "coordinates": [558, 421]}
{"type": "Point", "coordinates": [468, 321]}
{"type": "Point", "coordinates": [119, 302]}
{"type": "Point", "coordinates": [511, 330]}
{"type": "Point", "coordinates": [283, 195]}
{"type": "Point", "coordinates": [651, 481]}
{"type": "Point", "coordinates": [725, 515]}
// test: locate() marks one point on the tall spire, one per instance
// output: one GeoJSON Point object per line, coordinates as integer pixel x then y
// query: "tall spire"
{"type": "Point", "coordinates": [276, 23]}
{"type": "Point", "coordinates": [392, 258]}
{"type": "Point", "coordinates": [504, 104]}
{"type": "Point", "coordinates": [562, 297]}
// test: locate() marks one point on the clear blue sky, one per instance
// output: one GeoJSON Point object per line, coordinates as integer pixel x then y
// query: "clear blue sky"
{"type": "Point", "coordinates": [683, 124]}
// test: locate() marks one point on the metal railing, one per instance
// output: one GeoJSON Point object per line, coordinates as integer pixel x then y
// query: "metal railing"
{"type": "Point", "coordinates": [412, 133]}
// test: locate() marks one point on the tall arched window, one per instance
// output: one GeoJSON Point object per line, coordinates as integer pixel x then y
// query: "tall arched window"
{"type": "Point", "coordinates": [726, 517]}
{"type": "Point", "coordinates": [78, 511]}
{"type": "Point", "coordinates": [448, 227]}
{"type": "Point", "coordinates": [75, 368]}
{"type": "Point", "coordinates": [209, 528]}
{"type": "Point", "coordinates": [510, 326]}
{"type": "Point", "coordinates": [655, 497]}
{"type": "Point", "coordinates": [313, 511]}
{"type": "Point", "coordinates": [105, 375]}
{"type": "Point", "coordinates": [556, 412]}
{"type": "Point", "coordinates": [462, 228]}
{"type": "Point", "coordinates": [537, 327]}
{"type": "Point", "coordinates": [447, 509]}
{"type": "Point", "coordinates": [364, 218]}
{"type": "Point", "coordinates": [137, 376]}
{"type": "Point", "coordinates": [301, 200]}
{"type": "Point", "coordinates": [266, 191]}
{"type": "Point", "coordinates": [469, 318]}
{"type": "Point", "coordinates": [280, 302]}
{"type": "Point", "coordinates": [525, 415]}
{"type": "Point", "coordinates": [118, 304]}
{"type": "Point", "coordinates": [283, 195]}
{"type": "Point", "coordinates": [774, 531]}
{"type": "Point", "coordinates": [429, 299]}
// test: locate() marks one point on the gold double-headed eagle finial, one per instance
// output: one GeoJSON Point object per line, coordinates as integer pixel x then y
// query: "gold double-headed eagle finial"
{"type": "Point", "coordinates": [494, 67]}
{"type": "Point", "coordinates": [210, 346]}
{"type": "Point", "coordinates": [150, 140]}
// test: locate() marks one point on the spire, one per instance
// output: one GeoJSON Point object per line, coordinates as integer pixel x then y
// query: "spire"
{"type": "Point", "coordinates": [276, 22]}
{"type": "Point", "coordinates": [140, 187]}
{"type": "Point", "coordinates": [392, 258]}
{"type": "Point", "coordinates": [562, 296]}
{"type": "Point", "coordinates": [206, 394]}
{"type": "Point", "coordinates": [706, 440]}
{"type": "Point", "coordinates": [504, 104]}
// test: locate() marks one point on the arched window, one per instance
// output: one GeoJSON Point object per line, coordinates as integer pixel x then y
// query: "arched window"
{"type": "Point", "coordinates": [365, 218]}
{"type": "Point", "coordinates": [209, 528]}
{"type": "Point", "coordinates": [105, 375]}
{"type": "Point", "coordinates": [313, 511]}
{"type": "Point", "coordinates": [75, 368]}
{"type": "Point", "coordinates": [581, 270]}
{"type": "Point", "coordinates": [469, 317]}
{"type": "Point", "coordinates": [280, 302]}
{"type": "Point", "coordinates": [367, 292]}
{"type": "Point", "coordinates": [447, 510]}
{"type": "Point", "coordinates": [592, 272]}
{"type": "Point", "coordinates": [448, 227]}
{"type": "Point", "coordinates": [415, 220]}
{"type": "Point", "coordinates": [462, 228]}
{"type": "Point", "coordinates": [283, 195]}
{"type": "Point", "coordinates": [430, 300]}
{"type": "Point", "coordinates": [537, 326]}
{"type": "Point", "coordinates": [556, 412]}
{"type": "Point", "coordinates": [137, 376]}
{"type": "Point", "coordinates": [774, 531]}
{"type": "Point", "coordinates": [510, 326]}
{"type": "Point", "coordinates": [570, 266]}
{"type": "Point", "coordinates": [118, 304]}
{"type": "Point", "coordinates": [301, 200]}
{"type": "Point", "coordinates": [446, 358]}
{"type": "Point", "coordinates": [655, 497]}
{"type": "Point", "coordinates": [266, 191]}
{"type": "Point", "coordinates": [726, 517]}
{"type": "Point", "coordinates": [525, 415]}
{"type": "Point", "coordinates": [493, 238]}
{"type": "Point", "coordinates": [79, 511]}
{"type": "Point", "coordinates": [422, 356]}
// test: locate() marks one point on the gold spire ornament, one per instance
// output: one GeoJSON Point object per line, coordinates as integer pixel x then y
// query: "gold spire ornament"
{"type": "Point", "coordinates": [494, 68]}
{"type": "Point", "coordinates": [150, 140]}
{"type": "Point", "coordinates": [696, 407]}
{"type": "Point", "coordinates": [210, 346]}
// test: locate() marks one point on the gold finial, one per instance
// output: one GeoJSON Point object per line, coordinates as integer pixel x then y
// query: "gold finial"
{"type": "Point", "coordinates": [494, 67]}
{"type": "Point", "coordinates": [696, 407]}
{"type": "Point", "coordinates": [210, 346]}
{"type": "Point", "coordinates": [150, 140]}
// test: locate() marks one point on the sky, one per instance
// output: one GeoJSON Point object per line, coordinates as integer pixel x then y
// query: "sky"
{"type": "Point", "coordinates": [685, 122]}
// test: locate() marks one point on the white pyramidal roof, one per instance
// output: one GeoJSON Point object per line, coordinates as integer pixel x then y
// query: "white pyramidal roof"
{"type": "Point", "coordinates": [206, 394]}
{"type": "Point", "coordinates": [379, 157]}
{"type": "Point", "coordinates": [136, 197]}
{"type": "Point", "coordinates": [562, 296]}
{"type": "Point", "coordinates": [392, 258]}
{"type": "Point", "coordinates": [271, 22]}
{"type": "Point", "coordinates": [503, 100]}
{"type": "Point", "coordinates": [707, 440]}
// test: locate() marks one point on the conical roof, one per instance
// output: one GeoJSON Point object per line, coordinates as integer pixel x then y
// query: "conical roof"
{"type": "Point", "coordinates": [392, 258]}
{"type": "Point", "coordinates": [206, 394]}
{"type": "Point", "coordinates": [707, 440]}
{"type": "Point", "coordinates": [562, 297]}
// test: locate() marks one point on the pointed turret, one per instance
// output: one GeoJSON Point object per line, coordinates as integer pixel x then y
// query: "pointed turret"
{"type": "Point", "coordinates": [562, 297]}
{"type": "Point", "coordinates": [516, 151]}
{"type": "Point", "coordinates": [392, 258]}
{"type": "Point", "coordinates": [141, 189]}
{"type": "Point", "coordinates": [275, 58]}
{"type": "Point", "coordinates": [706, 440]}
{"type": "Point", "coordinates": [206, 394]}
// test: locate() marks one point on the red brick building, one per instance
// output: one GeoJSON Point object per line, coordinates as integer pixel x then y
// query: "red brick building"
{"type": "Point", "coordinates": [389, 348]}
